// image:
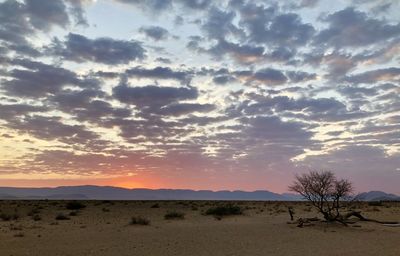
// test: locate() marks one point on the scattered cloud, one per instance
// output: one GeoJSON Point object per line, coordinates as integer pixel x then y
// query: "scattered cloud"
{"type": "Point", "coordinates": [105, 50]}
{"type": "Point", "coordinates": [245, 89]}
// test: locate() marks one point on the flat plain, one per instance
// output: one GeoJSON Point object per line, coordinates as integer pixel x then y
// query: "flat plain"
{"type": "Point", "coordinates": [41, 227]}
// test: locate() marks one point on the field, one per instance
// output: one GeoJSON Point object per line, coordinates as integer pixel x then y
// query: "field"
{"type": "Point", "coordinates": [187, 228]}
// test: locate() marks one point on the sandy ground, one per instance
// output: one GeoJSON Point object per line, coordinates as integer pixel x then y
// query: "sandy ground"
{"type": "Point", "coordinates": [102, 228]}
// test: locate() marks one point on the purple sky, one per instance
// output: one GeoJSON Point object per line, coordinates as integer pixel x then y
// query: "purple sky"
{"type": "Point", "coordinates": [199, 94]}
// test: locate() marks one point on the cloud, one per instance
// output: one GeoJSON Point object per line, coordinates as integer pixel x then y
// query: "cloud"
{"type": "Point", "coordinates": [152, 95]}
{"type": "Point", "coordinates": [164, 60]}
{"type": "Point", "coordinates": [105, 50]}
{"type": "Point", "coordinates": [159, 73]}
{"type": "Point", "coordinates": [241, 53]}
{"type": "Point", "coordinates": [374, 76]}
{"type": "Point", "coordinates": [15, 26]}
{"type": "Point", "coordinates": [370, 167]}
{"type": "Point", "coordinates": [281, 54]}
{"type": "Point", "coordinates": [155, 32]}
{"type": "Point", "coordinates": [357, 92]}
{"type": "Point", "coordinates": [51, 128]}
{"type": "Point", "coordinates": [149, 5]}
{"type": "Point", "coordinates": [304, 4]}
{"type": "Point", "coordinates": [222, 79]}
{"type": "Point", "coordinates": [273, 129]}
{"type": "Point", "coordinates": [306, 109]}
{"type": "Point", "coordinates": [266, 25]}
{"type": "Point", "coordinates": [77, 10]}
{"type": "Point", "coordinates": [268, 76]}
{"type": "Point", "coordinates": [218, 24]}
{"type": "Point", "coordinates": [15, 111]}
{"type": "Point", "coordinates": [197, 4]}
{"type": "Point", "coordinates": [37, 79]}
{"type": "Point", "coordinates": [353, 28]}
{"type": "Point", "coordinates": [22, 20]}
{"type": "Point", "coordinates": [300, 76]}
{"type": "Point", "coordinates": [87, 105]}
{"type": "Point", "coordinates": [261, 88]}
{"type": "Point", "coordinates": [178, 109]}
{"type": "Point", "coordinates": [160, 6]}
{"type": "Point", "coordinates": [44, 15]}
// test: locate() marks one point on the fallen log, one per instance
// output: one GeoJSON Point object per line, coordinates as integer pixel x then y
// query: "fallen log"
{"type": "Point", "coordinates": [345, 220]}
{"type": "Point", "coordinates": [362, 218]}
{"type": "Point", "coordinates": [392, 225]}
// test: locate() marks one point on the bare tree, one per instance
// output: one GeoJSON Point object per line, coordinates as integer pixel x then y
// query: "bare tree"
{"type": "Point", "coordinates": [324, 191]}
{"type": "Point", "coordinates": [327, 194]}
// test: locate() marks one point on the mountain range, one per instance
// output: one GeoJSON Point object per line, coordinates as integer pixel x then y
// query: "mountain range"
{"type": "Point", "coordinates": [377, 196]}
{"type": "Point", "coordinates": [116, 193]}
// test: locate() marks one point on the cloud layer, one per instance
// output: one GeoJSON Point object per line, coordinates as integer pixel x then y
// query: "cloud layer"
{"type": "Point", "coordinates": [200, 94]}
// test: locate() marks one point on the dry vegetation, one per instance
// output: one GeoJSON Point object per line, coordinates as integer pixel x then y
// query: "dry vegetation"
{"type": "Point", "coordinates": [189, 228]}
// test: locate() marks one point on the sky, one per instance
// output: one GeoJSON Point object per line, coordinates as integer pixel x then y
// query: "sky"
{"type": "Point", "coordinates": [199, 94]}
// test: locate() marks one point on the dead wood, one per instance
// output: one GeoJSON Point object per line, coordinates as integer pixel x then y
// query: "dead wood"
{"type": "Point", "coordinates": [345, 220]}
{"type": "Point", "coordinates": [358, 215]}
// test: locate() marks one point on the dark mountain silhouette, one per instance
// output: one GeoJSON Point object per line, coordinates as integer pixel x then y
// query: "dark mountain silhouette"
{"type": "Point", "coordinates": [116, 193]}
{"type": "Point", "coordinates": [377, 196]}
{"type": "Point", "coordinates": [293, 197]}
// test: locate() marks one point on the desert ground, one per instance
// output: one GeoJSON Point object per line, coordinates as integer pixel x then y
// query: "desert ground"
{"type": "Point", "coordinates": [106, 228]}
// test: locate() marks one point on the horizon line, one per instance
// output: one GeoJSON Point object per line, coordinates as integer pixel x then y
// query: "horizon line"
{"type": "Point", "coordinates": [196, 190]}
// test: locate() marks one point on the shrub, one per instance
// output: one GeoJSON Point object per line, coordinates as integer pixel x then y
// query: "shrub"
{"type": "Point", "coordinates": [224, 210]}
{"type": "Point", "coordinates": [36, 217]}
{"type": "Point", "coordinates": [75, 205]}
{"type": "Point", "coordinates": [137, 220]}
{"type": "Point", "coordinates": [376, 209]}
{"type": "Point", "coordinates": [156, 205]}
{"type": "Point", "coordinates": [375, 203]}
{"type": "Point", "coordinates": [33, 212]}
{"type": "Point", "coordinates": [174, 215]}
{"type": "Point", "coordinates": [73, 213]}
{"type": "Point", "coordinates": [8, 217]}
{"type": "Point", "coordinates": [108, 202]}
{"type": "Point", "coordinates": [61, 216]}
{"type": "Point", "coordinates": [19, 234]}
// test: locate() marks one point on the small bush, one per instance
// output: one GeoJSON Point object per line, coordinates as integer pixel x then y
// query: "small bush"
{"type": "Point", "coordinates": [33, 212]}
{"type": "Point", "coordinates": [156, 205]}
{"type": "Point", "coordinates": [104, 209]}
{"type": "Point", "coordinates": [19, 234]}
{"type": "Point", "coordinates": [225, 210]}
{"type": "Point", "coordinates": [73, 213]}
{"type": "Point", "coordinates": [36, 217]}
{"type": "Point", "coordinates": [174, 215]}
{"type": "Point", "coordinates": [61, 216]}
{"type": "Point", "coordinates": [8, 217]}
{"type": "Point", "coordinates": [75, 205]}
{"type": "Point", "coordinates": [375, 203]}
{"type": "Point", "coordinates": [139, 221]}
{"type": "Point", "coordinates": [376, 209]}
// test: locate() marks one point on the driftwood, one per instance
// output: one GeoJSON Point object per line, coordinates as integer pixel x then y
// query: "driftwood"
{"type": "Point", "coordinates": [302, 222]}
{"type": "Point", "coordinates": [291, 212]}
{"type": "Point", "coordinates": [362, 218]}
{"type": "Point", "coordinates": [345, 219]}
{"type": "Point", "coordinates": [392, 225]}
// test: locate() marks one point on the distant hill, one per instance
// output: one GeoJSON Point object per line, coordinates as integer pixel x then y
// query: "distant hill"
{"type": "Point", "coordinates": [377, 196]}
{"type": "Point", "coordinates": [116, 193]}
{"type": "Point", "coordinates": [293, 197]}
